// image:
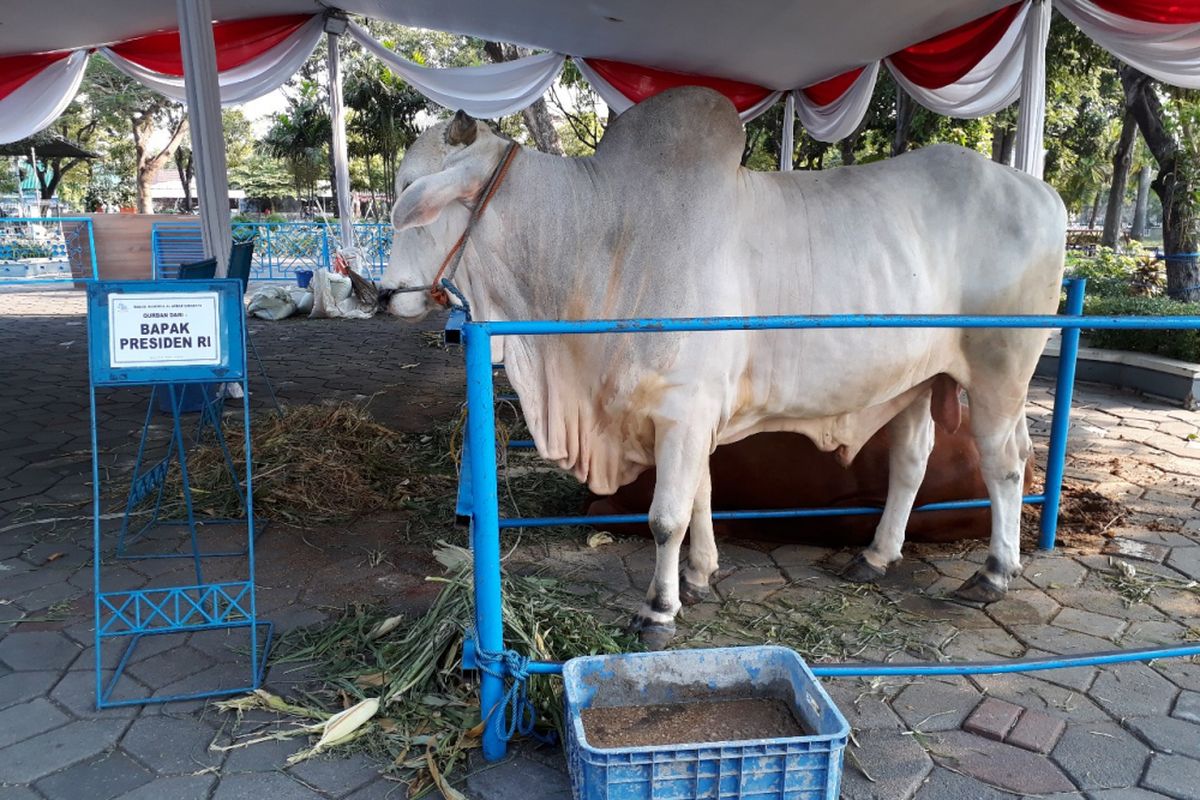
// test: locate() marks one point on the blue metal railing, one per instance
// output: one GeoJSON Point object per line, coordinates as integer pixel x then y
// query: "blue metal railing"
{"type": "Point", "coordinates": [280, 248]}
{"type": "Point", "coordinates": [46, 250]}
{"type": "Point", "coordinates": [479, 497]}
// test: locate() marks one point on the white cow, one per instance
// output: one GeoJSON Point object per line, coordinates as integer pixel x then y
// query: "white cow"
{"type": "Point", "coordinates": [663, 222]}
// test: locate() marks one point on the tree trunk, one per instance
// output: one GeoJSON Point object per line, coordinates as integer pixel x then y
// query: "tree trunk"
{"type": "Point", "coordinates": [846, 146]}
{"type": "Point", "coordinates": [537, 116]}
{"type": "Point", "coordinates": [904, 114]}
{"type": "Point", "coordinates": [1095, 211]}
{"type": "Point", "coordinates": [1116, 193]}
{"type": "Point", "coordinates": [148, 165]}
{"type": "Point", "coordinates": [1138, 230]}
{"type": "Point", "coordinates": [184, 168]}
{"type": "Point", "coordinates": [1173, 185]}
{"type": "Point", "coordinates": [1004, 138]}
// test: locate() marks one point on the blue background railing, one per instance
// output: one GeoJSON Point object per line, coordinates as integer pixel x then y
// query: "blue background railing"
{"type": "Point", "coordinates": [281, 248]}
{"type": "Point", "coordinates": [37, 250]}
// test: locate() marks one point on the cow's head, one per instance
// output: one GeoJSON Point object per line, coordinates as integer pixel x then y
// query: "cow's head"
{"type": "Point", "coordinates": [438, 182]}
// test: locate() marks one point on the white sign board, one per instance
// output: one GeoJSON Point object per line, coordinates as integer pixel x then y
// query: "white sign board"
{"type": "Point", "coordinates": [164, 328]}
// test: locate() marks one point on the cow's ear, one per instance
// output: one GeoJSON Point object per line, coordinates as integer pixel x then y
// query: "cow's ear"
{"type": "Point", "coordinates": [426, 198]}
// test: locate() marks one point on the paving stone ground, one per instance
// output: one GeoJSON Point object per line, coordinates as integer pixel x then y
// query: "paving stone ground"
{"type": "Point", "coordinates": [1127, 732]}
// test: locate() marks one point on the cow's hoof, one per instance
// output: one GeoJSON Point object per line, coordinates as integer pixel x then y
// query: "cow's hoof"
{"type": "Point", "coordinates": [653, 635]}
{"type": "Point", "coordinates": [980, 588]}
{"type": "Point", "coordinates": [690, 594]}
{"type": "Point", "coordinates": [859, 570]}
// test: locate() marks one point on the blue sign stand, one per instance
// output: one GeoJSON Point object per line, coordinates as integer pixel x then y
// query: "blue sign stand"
{"type": "Point", "coordinates": [152, 480]}
{"type": "Point", "coordinates": [168, 335]}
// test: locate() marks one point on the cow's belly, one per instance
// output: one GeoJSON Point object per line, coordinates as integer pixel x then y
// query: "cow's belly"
{"type": "Point", "coordinates": [779, 470]}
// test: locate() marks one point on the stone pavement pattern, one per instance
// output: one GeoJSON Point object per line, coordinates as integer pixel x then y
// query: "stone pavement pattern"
{"type": "Point", "coordinates": [1128, 732]}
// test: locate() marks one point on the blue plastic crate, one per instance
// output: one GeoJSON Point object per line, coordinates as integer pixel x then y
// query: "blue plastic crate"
{"type": "Point", "coordinates": [797, 768]}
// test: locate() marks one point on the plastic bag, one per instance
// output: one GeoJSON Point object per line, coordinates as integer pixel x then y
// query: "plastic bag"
{"type": "Point", "coordinates": [271, 302]}
{"type": "Point", "coordinates": [334, 296]}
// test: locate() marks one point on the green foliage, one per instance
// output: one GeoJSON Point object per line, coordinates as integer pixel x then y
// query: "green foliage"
{"type": "Point", "coordinates": [261, 176]}
{"type": "Point", "coordinates": [300, 136]}
{"type": "Point", "coordinates": [1182, 345]}
{"type": "Point", "coordinates": [383, 120]}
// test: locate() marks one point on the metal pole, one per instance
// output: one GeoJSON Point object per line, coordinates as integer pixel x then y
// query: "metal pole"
{"type": "Point", "coordinates": [485, 534]}
{"type": "Point", "coordinates": [255, 668]}
{"type": "Point", "coordinates": [1000, 667]}
{"type": "Point", "coordinates": [92, 250]}
{"type": "Point", "coordinates": [1060, 425]}
{"type": "Point", "coordinates": [96, 588]}
{"type": "Point", "coordinates": [788, 133]}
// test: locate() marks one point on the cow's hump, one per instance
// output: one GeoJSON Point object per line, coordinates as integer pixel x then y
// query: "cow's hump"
{"type": "Point", "coordinates": [690, 124]}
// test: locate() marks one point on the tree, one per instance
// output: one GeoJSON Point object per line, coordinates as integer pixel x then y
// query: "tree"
{"type": "Point", "coordinates": [1172, 132]}
{"type": "Point", "coordinates": [383, 119]}
{"type": "Point", "coordinates": [261, 177]}
{"type": "Point", "coordinates": [300, 137]}
{"type": "Point", "coordinates": [537, 116]}
{"type": "Point", "coordinates": [117, 96]}
{"type": "Point", "coordinates": [185, 166]}
{"type": "Point", "coordinates": [1122, 158]}
{"type": "Point", "coordinates": [584, 123]}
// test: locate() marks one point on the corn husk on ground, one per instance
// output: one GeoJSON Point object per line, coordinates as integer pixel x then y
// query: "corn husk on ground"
{"type": "Point", "coordinates": [398, 682]}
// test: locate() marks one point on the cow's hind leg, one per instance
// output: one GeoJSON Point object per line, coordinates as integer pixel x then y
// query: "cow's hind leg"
{"type": "Point", "coordinates": [1002, 436]}
{"type": "Point", "coordinates": [702, 546]}
{"type": "Point", "coordinates": [681, 456]}
{"type": "Point", "coordinates": [911, 433]}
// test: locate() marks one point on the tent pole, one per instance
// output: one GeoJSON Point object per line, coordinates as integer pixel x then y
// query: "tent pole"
{"type": "Point", "coordinates": [1031, 117]}
{"type": "Point", "coordinates": [786, 145]}
{"type": "Point", "coordinates": [335, 25]}
{"type": "Point", "coordinates": [208, 140]}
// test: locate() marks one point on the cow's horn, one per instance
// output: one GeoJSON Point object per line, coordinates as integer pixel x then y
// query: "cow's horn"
{"type": "Point", "coordinates": [462, 129]}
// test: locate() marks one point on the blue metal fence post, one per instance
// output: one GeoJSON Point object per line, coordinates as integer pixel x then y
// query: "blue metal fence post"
{"type": "Point", "coordinates": [1060, 424]}
{"type": "Point", "coordinates": [325, 248]}
{"type": "Point", "coordinates": [92, 250]}
{"type": "Point", "coordinates": [485, 532]}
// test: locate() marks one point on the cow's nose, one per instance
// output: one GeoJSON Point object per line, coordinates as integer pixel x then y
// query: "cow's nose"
{"type": "Point", "coordinates": [384, 296]}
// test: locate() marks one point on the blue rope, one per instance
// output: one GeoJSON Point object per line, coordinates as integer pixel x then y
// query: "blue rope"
{"type": "Point", "coordinates": [518, 716]}
{"type": "Point", "coordinates": [454, 290]}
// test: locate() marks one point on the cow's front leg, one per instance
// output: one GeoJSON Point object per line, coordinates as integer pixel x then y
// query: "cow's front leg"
{"type": "Point", "coordinates": [911, 433]}
{"type": "Point", "coordinates": [702, 546]}
{"type": "Point", "coordinates": [1004, 447]}
{"type": "Point", "coordinates": [680, 455]}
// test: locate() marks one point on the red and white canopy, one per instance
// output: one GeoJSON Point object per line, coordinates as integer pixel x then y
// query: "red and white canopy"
{"type": "Point", "coordinates": [829, 55]}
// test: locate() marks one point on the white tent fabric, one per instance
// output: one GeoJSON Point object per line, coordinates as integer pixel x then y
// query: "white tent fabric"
{"type": "Point", "coordinates": [337, 119]}
{"type": "Point", "coordinates": [758, 108]}
{"type": "Point", "coordinates": [488, 91]}
{"type": "Point", "coordinates": [240, 84]}
{"type": "Point", "coordinates": [1030, 153]}
{"type": "Point", "coordinates": [1170, 53]}
{"type": "Point", "coordinates": [613, 98]}
{"type": "Point", "coordinates": [992, 84]}
{"type": "Point", "coordinates": [42, 98]}
{"type": "Point", "coordinates": [208, 141]}
{"type": "Point", "coordinates": [839, 119]}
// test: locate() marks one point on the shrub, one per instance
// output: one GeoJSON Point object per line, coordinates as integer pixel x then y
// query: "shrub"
{"type": "Point", "coordinates": [1183, 345]}
{"type": "Point", "coordinates": [1113, 274]}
